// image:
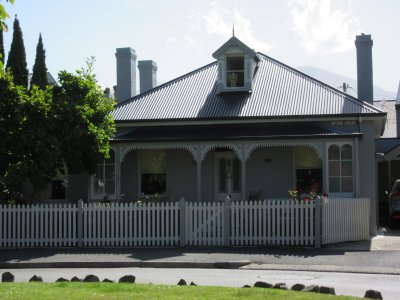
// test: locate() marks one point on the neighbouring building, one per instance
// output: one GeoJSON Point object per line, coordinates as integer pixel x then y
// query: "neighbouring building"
{"type": "Point", "coordinates": [388, 154]}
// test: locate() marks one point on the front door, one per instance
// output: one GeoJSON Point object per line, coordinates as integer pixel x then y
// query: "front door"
{"type": "Point", "coordinates": [227, 179]}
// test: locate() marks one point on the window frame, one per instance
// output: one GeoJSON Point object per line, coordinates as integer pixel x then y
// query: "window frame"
{"type": "Point", "coordinates": [235, 71]}
{"type": "Point", "coordinates": [141, 173]}
{"type": "Point", "coordinates": [100, 196]}
{"type": "Point", "coordinates": [340, 176]}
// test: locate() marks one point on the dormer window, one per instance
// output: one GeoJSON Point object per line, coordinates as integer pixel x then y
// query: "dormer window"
{"type": "Point", "coordinates": [236, 67]}
{"type": "Point", "coordinates": [235, 71]}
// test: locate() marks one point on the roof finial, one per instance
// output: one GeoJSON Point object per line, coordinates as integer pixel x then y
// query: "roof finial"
{"type": "Point", "coordinates": [233, 29]}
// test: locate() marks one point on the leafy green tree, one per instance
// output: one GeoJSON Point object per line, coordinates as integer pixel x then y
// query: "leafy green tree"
{"type": "Point", "coordinates": [16, 61]}
{"type": "Point", "coordinates": [3, 13]}
{"type": "Point", "coordinates": [39, 76]}
{"type": "Point", "coordinates": [42, 145]}
{"type": "Point", "coordinates": [3, 27]}
{"type": "Point", "coordinates": [44, 130]}
{"type": "Point", "coordinates": [11, 147]}
{"type": "Point", "coordinates": [84, 120]}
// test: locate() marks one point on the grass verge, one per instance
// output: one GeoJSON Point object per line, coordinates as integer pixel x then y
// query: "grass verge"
{"type": "Point", "coordinates": [111, 291]}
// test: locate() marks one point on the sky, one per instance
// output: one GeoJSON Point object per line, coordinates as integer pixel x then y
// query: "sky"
{"type": "Point", "coordinates": [181, 35]}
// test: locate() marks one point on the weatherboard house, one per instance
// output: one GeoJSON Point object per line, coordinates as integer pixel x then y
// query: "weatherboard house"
{"type": "Point", "coordinates": [245, 127]}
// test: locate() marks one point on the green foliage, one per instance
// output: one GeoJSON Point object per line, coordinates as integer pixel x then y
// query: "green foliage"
{"type": "Point", "coordinates": [41, 142]}
{"type": "Point", "coordinates": [3, 27]}
{"type": "Point", "coordinates": [4, 15]}
{"type": "Point", "coordinates": [83, 120]}
{"type": "Point", "coordinates": [12, 153]}
{"type": "Point", "coordinates": [39, 75]}
{"type": "Point", "coordinates": [16, 61]}
{"type": "Point", "coordinates": [114, 291]}
{"type": "Point", "coordinates": [44, 130]}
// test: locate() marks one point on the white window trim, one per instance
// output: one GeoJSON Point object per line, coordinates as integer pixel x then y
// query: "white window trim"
{"type": "Point", "coordinates": [93, 195]}
{"type": "Point", "coordinates": [225, 72]}
{"type": "Point", "coordinates": [340, 144]}
{"type": "Point", "coordinates": [227, 56]}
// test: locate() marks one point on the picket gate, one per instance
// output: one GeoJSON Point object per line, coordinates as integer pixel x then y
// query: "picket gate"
{"type": "Point", "coordinates": [345, 220]}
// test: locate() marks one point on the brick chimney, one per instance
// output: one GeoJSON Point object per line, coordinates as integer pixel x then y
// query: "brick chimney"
{"type": "Point", "coordinates": [365, 83]}
{"type": "Point", "coordinates": [147, 75]}
{"type": "Point", "coordinates": [126, 73]}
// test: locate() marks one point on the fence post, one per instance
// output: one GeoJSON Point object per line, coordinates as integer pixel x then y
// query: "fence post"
{"type": "Point", "coordinates": [318, 222]}
{"type": "Point", "coordinates": [227, 221]}
{"type": "Point", "coordinates": [182, 223]}
{"type": "Point", "coordinates": [80, 223]}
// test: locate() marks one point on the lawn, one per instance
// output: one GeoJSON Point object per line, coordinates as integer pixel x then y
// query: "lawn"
{"type": "Point", "coordinates": [79, 291]}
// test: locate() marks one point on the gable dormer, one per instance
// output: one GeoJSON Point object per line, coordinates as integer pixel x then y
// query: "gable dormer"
{"type": "Point", "coordinates": [236, 66]}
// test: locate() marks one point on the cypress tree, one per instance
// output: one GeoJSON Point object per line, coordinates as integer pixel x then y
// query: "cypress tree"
{"type": "Point", "coordinates": [39, 76]}
{"type": "Point", "coordinates": [1, 46]}
{"type": "Point", "coordinates": [17, 57]}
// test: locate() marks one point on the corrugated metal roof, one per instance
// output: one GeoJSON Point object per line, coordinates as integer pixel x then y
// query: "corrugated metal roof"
{"type": "Point", "coordinates": [385, 145]}
{"type": "Point", "coordinates": [278, 91]}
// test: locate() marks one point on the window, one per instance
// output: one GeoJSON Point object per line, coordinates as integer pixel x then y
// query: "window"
{"type": "Point", "coordinates": [308, 168]}
{"type": "Point", "coordinates": [104, 179]}
{"type": "Point", "coordinates": [340, 168]}
{"type": "Point", "coordinates": [153, 172]}
{"type": "Point", "coordinates": [235, 71]}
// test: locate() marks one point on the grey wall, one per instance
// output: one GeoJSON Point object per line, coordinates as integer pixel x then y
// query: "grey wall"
{"type": "Point", "coordinates": [273, 178]}
{"type": "Point", "coordinates": [181, 175]}
{"type": "Point", "coordinates": [147, 75]}
{"type": "Point", "coordinates": [129, 176]}
{"type": "Point", "coordinates": [367, 170]}
{"type": "Point", "coordinates": [365, 84]}
{"type": "Point", "coordinates": [208, 177]}
{"type": "Point", "coordinates": [126, 73]}
{"type": "Point", "coordinates": [78, 187]}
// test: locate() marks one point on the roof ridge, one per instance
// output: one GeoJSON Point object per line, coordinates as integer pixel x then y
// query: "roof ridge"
{"type": "Point", "coordinates": [335, 90]}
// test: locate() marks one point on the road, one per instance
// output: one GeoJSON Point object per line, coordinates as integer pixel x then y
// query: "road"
{"type": "Point", "coordinates": [344, 283]}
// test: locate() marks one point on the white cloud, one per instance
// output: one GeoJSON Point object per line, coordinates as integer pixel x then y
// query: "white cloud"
{"type": "Point", "coordinates": [324, 26]}
{"type": "Point", "coordinates": [171, 40]}
{"type": "Point", "coordinates": [219, 21]}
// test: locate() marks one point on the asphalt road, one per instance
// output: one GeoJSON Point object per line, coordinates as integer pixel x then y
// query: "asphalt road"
{"type": "Point", "coordinates": [339, 260]}
{"type": "Point", "coordinates": [344, 283]}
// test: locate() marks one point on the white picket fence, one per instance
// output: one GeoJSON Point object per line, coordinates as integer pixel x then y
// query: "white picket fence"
{"type": "Point", "coordinates": [152, 224]}
{"type": "Point", "coordinates": [38, 226]}
{"type": "Point", "coordinates": [204, 224]}
{"type": "Point", "coordinates": [274, 222]}
{"type": "Point", "coordinates": [345, 220]}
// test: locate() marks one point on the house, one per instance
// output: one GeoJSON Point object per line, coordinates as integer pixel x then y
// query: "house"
{"type": "Point", "coordinates": [245, 126]}
{"type": "Point", "coordinates": [388, 155]}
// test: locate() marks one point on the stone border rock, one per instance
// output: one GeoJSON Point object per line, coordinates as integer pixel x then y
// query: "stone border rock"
{"type": "Point", "coordinates": [369, 294]}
